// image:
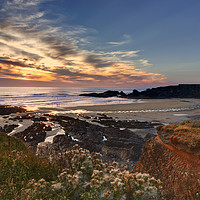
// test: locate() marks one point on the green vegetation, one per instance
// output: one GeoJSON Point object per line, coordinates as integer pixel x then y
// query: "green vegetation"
{"type": "Point", "coordinates": [83, 176]}
{"type": "Point", "coordinates": [18, 166]}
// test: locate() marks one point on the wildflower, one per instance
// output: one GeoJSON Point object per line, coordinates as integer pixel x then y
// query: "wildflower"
{"type": "Point", "coordinates": [57, 186]}
{"type": "Point", "coordinates": [41, 180]}
{"type": "Point", "coordinates": [107, 193]}
{"type": "Point", "coordinates": [145, 175]}
{"type": "Point", "coordinates": [139, 192]}
{"type": "Point", "coordinates": [120, 184]}
{"type": "Point", "coordinates": [95, 172]}
{"type": "Point", "coordinates": [112, 183]}
{"type": "Point", "coordinates": [139, 180]}
{"type": "Point", "coordinates": [139, 175]}
{"type": "Point", "coordinates": [76, 146]}
{"type": "Point", "coordinates": [114, 171]}
{"type": "Point", "coordinates": [42, 186]}
{"type": "Point", "coordinates": [27, 191]}
{"type": "Point", "coordinates": [79, 174]}
{"type": "Point", "coordinates": [63, 174]}
{"type": "Point", "coordinates": [31, 182]}
{"type": "Point", "coordinates": [152, 179]}
{"type": "Point", "coordinates": [92, 180]}
{"type": "Point", "coordinates": [151, 188]}
{"type": "Point", "coordinates": [115, 164]}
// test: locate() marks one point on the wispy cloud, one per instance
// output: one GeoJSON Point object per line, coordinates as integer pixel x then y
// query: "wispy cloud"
{"type": "Point", "coordinates": [127, 39]}
{"type": "Point", "coordinates": [13, 63]}
{"type": "Point", "coordinates": [98, 62]}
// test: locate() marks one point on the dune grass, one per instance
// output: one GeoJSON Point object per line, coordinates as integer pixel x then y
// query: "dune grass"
{"type": "Point", "coordinates": [186, 133]}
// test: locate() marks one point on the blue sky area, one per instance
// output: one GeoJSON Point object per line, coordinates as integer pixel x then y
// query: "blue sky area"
{"type": "Point", "coordinates": [95, 43]}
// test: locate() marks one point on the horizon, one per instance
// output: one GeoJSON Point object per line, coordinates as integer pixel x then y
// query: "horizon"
{"type": "Point", "coordinates": [115, 44]}
{"type": "Point", "coordinates": [109, 88]}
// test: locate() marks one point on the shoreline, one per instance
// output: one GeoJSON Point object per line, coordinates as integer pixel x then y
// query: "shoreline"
{"type": "Point", "coordinates": [108, 129]}
{"type": "Point", "coordinates": [162, 110]}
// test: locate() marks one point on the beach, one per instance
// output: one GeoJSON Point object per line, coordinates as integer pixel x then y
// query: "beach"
{"type": "Point", "coordinates": [158, 110]}
{"type": "Point", "coordinates": [111, 129]}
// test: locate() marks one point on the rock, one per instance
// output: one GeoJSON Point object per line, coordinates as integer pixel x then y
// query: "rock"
{"type": "Point", "coordinates": [6, 110]}
{"type": "Point", "coordinates": [106, 94]}
{"type": "Point", "coordinates": [173, 91]}
{"type": "Point", "coordinates": [8, 128]}
{"type": "Point", "coordinates": [119, 146]}
{"type": "Point", "coordinates": [44, 149]}
{"type": "Point", "coordinates": [33, 135]}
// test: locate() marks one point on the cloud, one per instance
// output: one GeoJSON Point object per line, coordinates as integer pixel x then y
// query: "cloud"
{"type": "Point", "coordinates": [97, 61]}
{"type": "Point", "coordinates": [144, 62]}
{"type": "Point", "coordinates": [127, 40]}
{"type": "Point", "coordinates": [14, 63]}
{"type": "Point", "coordinates": [7, 37]}
{"type": "Point", "coordinates": [20, 4]}
{"type": "Point", "coordinates": [122, 54]}
{"type": "Point", "coordinates": [36, 48]}
{"type": "Point", "coordinates": [58, 47]}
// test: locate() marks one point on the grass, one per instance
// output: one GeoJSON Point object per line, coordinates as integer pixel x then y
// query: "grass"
{"type": "Point", "coordinates": [18, 165]}
{"type": "Point", "coordinates": [186, 133]}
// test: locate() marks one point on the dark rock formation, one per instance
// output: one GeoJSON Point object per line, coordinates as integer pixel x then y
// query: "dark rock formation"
{"type": "Point", "coordinates": [132, 124]}
{"type": "Point", "coordinates": [33, 135]}
{"type": "Point", "coordinates": [106, 94]}
{"type": "Point", "coordinates": [8, 128]}
{"type": "Point", "coordinates": [6, 110]}
{"type": "Point", "coordinates": [112, 142]}
{"type": "Point", "coordinates": [173, 91]}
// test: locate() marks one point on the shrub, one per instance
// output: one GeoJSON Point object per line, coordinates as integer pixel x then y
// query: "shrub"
{"type": "Point", "coordinates": [84, 176]}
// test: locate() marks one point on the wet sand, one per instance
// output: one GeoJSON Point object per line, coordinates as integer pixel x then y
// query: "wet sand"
{"type": "Point", "coordinates": [161, 110]}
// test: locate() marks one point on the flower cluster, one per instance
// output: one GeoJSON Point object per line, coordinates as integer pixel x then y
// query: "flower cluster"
{"type": "Point", "coordinates": [86, 176]}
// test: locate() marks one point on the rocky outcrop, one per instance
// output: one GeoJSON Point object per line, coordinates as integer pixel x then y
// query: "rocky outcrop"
{"type": "Point", "coordinates": [173, 91]}
{"type": "Point", "coordinates": [106, 94]}
{"type": "Point", "coordinates": [112, 138]}
{"type": "Point", "coordinates": [61, 144]}
{"type": "Point", "coordinates": [33, 135]}
{"type": "Point", "coordinates": [8, 128]}
{"type": "Point", "coordinates": [178, 170]}
{"type": "Point", "coordinates": [6, 110]}
{"type": "Point", "coordinates": [113, 143]}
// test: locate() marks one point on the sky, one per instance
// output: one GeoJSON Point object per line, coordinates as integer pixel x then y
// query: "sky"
{"type": "Point", "coordinates": [99, 43]}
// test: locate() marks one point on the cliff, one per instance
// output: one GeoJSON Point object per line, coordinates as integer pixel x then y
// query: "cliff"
{"type": "Point", "coordinates": [178, 169]}
{"type": "Point", "coordinates": [173, 91]}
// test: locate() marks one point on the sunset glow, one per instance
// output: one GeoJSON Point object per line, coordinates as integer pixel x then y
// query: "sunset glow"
{"type": "Point", "coordinates": [40, 46]}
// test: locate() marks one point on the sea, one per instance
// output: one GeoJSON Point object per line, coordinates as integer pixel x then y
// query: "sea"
{"type": "Point", "coordinates": [56, 97]}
